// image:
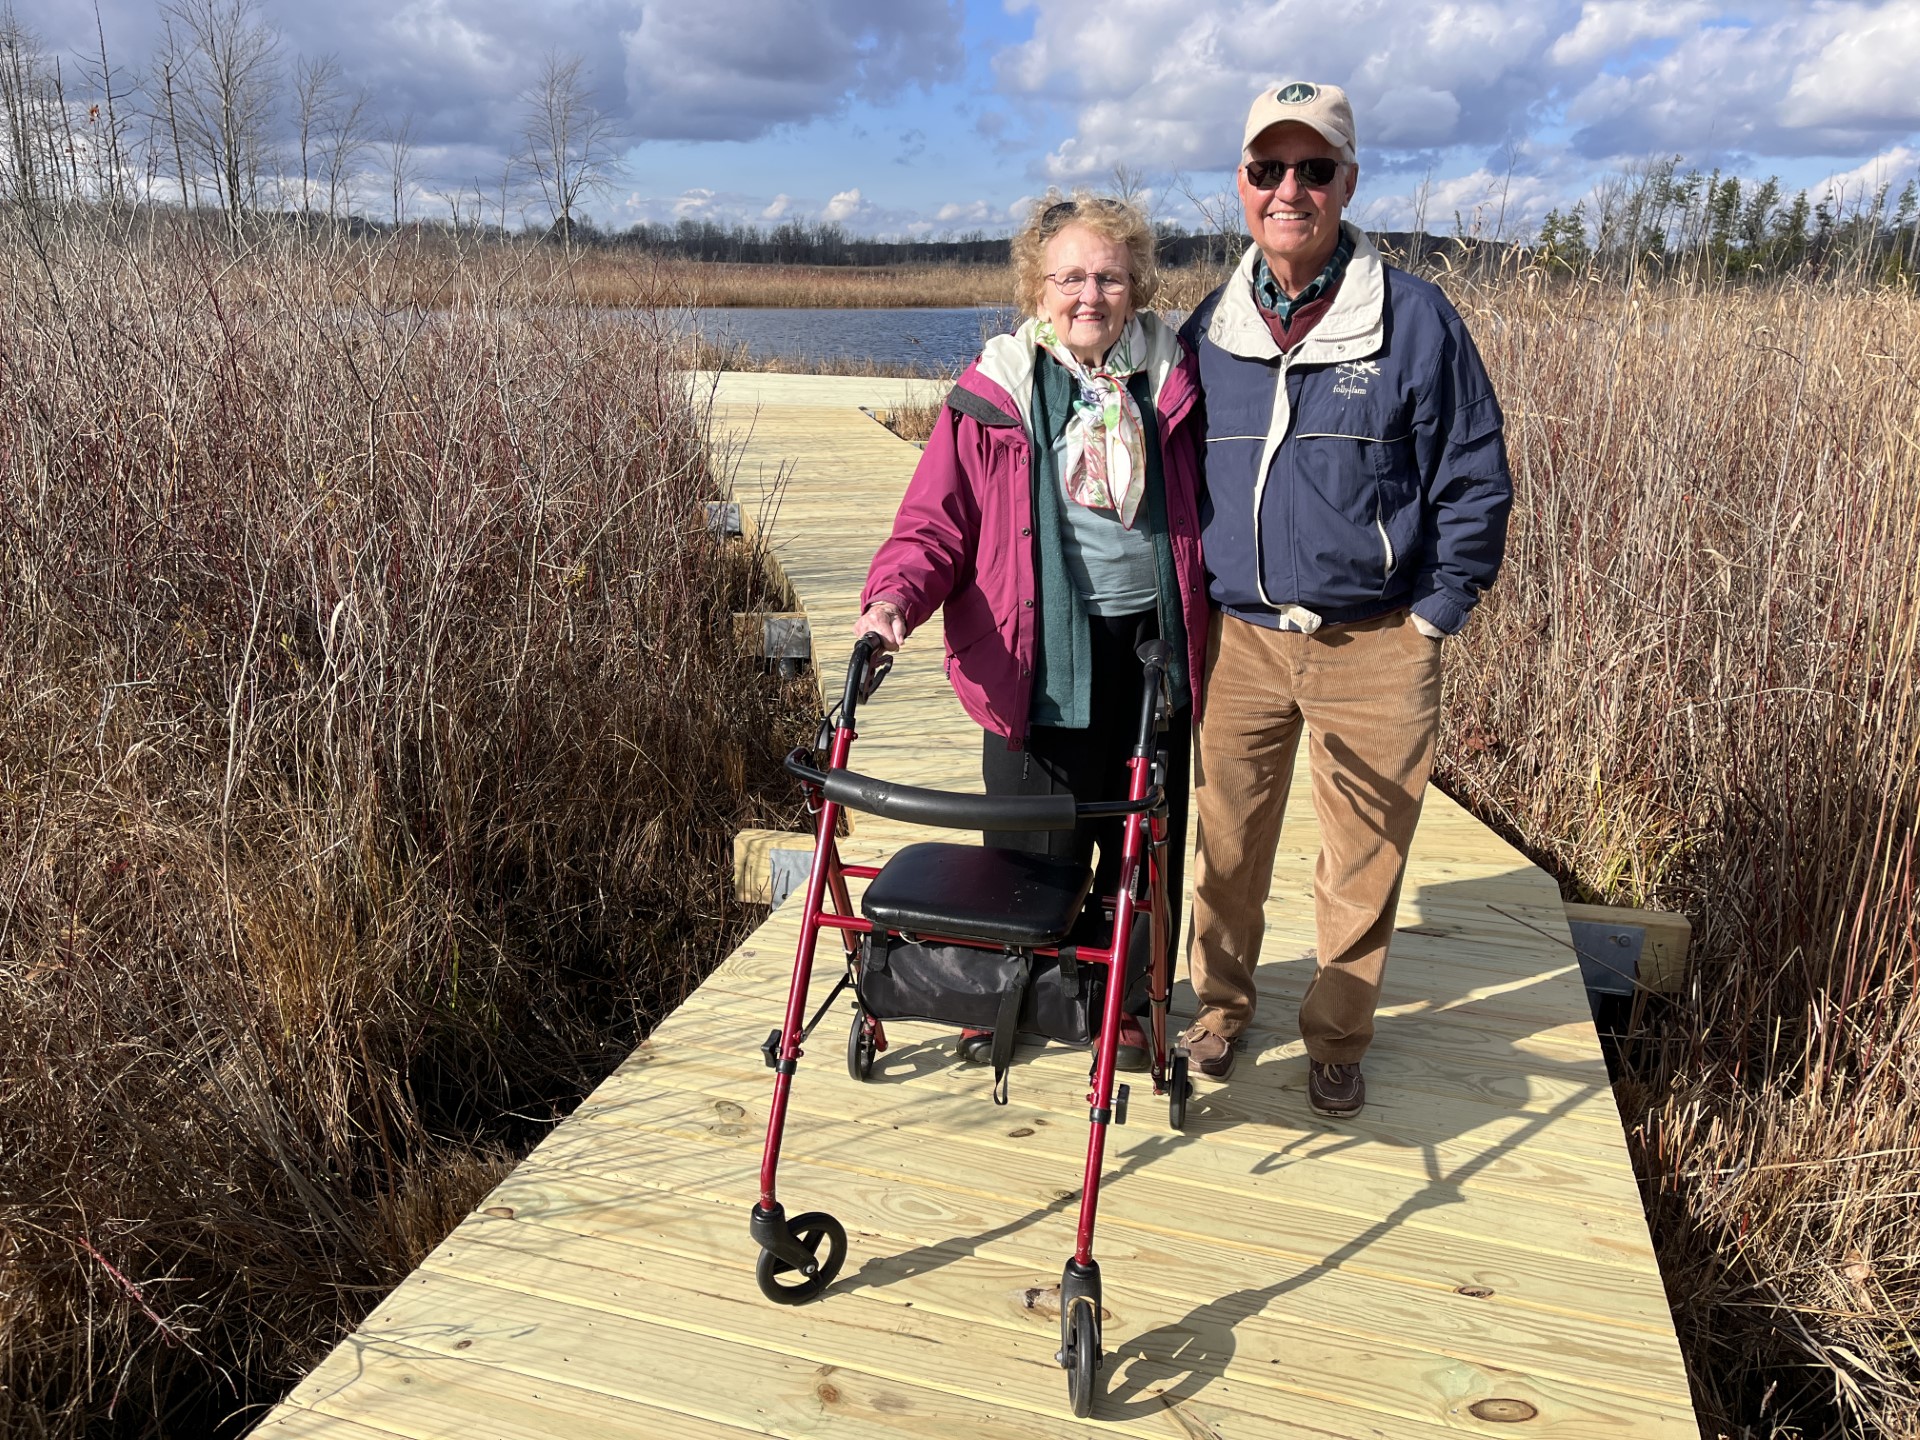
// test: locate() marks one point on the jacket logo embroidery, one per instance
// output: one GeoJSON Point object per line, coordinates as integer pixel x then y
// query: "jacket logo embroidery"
{"type": "Point", "coordinates": [1351, 377]}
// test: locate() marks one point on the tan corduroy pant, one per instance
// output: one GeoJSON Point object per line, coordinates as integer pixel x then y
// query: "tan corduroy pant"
{"type": "Point", "coordinates": [1369, 696]}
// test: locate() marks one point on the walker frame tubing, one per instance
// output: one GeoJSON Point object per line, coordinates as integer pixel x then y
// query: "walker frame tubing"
{"type": "Point", "coordinates": [1144, 840]}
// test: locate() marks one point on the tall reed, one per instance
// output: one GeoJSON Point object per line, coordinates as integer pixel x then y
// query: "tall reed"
{"type": "Point", "coordinates": [371, 738]}
{"type": "Point", "coordinates": [1696, 687]}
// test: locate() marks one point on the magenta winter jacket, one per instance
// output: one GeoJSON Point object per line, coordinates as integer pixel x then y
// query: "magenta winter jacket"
{"type": "Point", "coordinates": [963, 538]}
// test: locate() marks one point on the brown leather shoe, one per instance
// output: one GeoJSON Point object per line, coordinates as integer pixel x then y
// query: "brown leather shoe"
{"type": "Point", "coordinates": [1335, 1090]}
{"type": "Point", "coordinates": [1210, 1054]}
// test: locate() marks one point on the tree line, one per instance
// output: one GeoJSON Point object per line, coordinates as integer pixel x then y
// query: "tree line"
{"type": "Point", "coordinates": [219, 121]}
{"type": "Point", "coordinates": [1657, 218]}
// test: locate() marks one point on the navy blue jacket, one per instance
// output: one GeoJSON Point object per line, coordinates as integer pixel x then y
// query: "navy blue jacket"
{"type": "Point", "coordinates": [1362, 471]}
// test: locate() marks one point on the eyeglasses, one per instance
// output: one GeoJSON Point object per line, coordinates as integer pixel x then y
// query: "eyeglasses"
{"type": "Point", "coordinates": [1073, 282]}
{"type": "Point", "coordinates": [1268, 174]}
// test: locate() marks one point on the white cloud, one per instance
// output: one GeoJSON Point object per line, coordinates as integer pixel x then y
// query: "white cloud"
{"type": "Point", "coordinates": [845, 206]}
{"type": "Point", "coordinates": [1414, 117]}
{"type": "Point", "coordinates": [1165, 87]}
{"type": "Point", "coordinates": [433, 27]}
{"type": "Point", "coordinates": [977, 212]}
{"type": "Point", "coordinates": [777, 207]}
{"type": "Point", "coordinates": [1168, 86]}
{"type": "Point", "coordinates": [1797, 80]}
{"type": "Point", "coordinates": [1613, 27]}
{"type": "Point", "coordinates": [1867, 74]}
{"type": "Point", "coordinates": [1853, 188]}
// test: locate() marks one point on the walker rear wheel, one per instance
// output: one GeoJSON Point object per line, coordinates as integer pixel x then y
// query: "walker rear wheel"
{"type": "Point", "coordinates": [1179, 1087]}
{"type": "Point", "coordinates": [860, 1047]}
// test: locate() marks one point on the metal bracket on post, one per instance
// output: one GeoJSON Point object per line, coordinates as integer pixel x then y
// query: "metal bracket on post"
{"type": "Point", "coordinates": [1609, 958]}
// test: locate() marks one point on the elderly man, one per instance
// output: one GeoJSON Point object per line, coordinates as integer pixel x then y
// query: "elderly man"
{"type": "Point", "coordinates": [1355, 509]}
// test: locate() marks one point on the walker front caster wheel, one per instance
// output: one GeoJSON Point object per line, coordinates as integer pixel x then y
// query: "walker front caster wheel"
{"type": "Point", "coordinates": [1081, 1356]}
{"type": "Point", "coordinates": [785, 1283]}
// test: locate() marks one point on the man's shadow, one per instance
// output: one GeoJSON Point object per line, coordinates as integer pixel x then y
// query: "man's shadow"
{"type": "Point", "coordinates": [1428, 981]}
{"type": "Point", "coordinates": [1440, 969]}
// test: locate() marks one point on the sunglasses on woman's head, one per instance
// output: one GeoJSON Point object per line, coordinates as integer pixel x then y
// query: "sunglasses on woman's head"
{"type": "Point", "coordinates": [1066, 209]}
{"type": "Point", "coordinates": [1268, 174]}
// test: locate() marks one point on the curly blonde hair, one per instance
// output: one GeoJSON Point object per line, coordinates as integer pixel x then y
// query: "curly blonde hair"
{"type": "Point", "coordinates": [1116, 220]}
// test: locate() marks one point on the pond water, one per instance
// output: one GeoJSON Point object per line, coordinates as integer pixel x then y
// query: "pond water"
{"type": "Point", "coordinates": [935, 339]}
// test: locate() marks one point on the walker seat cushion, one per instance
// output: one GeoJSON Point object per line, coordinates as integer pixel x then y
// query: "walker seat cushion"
{"type": "Point", "coordinates": [973, 892]}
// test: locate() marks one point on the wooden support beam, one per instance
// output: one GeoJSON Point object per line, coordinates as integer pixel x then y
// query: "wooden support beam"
{"type": "Point", "coordinates": [775, 634]}
{"type": "Point", "coordinates": [769, 865]}
{"type": "Point", "coordinates": [1645, 946]}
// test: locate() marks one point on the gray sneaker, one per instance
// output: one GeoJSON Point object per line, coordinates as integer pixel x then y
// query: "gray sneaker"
{"type": "Point", "coordinates": [1335, 1090]}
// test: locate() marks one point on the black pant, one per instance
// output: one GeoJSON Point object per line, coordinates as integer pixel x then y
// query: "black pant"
{"type": "Point", "coordinates": [1091, 764]}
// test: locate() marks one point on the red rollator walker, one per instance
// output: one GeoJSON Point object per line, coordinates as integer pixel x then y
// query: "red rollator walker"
{"type": "Point", "coordinates": [987, 938]}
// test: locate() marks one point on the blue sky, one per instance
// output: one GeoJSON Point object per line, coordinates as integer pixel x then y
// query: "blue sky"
{"type": "Point", "coordinates": [932, 117]}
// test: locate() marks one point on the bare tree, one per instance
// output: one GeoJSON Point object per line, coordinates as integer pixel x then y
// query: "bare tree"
{"type": "Point", "coordinates": [347, 139]}
{"type": "Point", "coordinates": [1422, 199]}
{"type": "Point", "coordinates": [34, 177]}
{"type": "Point", "coordinates": [316, 94]}
{"type": "Point", "coordinates": [569, 144]}
{"type": "Point", "coordinates": [400, 172]}
{"type": "Point", "coordinates": [1220, 211]}
{"type": "Point", "coordinates": [106, 124]}
{"type": "Point", "coordinates": [1130, 186]}
{"type": "Point", "coordinates": [222, 60]}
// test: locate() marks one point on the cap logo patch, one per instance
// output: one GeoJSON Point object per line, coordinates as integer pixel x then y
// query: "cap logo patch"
{"type": "Point", "coordinates": [1298, 93]}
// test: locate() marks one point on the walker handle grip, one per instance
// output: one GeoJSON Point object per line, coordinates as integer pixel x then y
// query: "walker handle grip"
{"type": "Point", "coordinates": [950, 809]}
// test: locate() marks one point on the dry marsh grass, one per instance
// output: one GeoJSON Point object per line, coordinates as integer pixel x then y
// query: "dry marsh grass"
{"type": "Point", "coordinates": [437, 273]}
{"type": "Point", "coordinates": [611, 279]}
{"type": "Point", "coordinates": [370, 744]}
{"type": "Point", "coordinates": [1696, 687]}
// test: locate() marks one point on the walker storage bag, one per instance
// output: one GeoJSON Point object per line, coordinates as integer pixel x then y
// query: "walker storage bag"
{"type": "Point", "coordinates": [975, 988]}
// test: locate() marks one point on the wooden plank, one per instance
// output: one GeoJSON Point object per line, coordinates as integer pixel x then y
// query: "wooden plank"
{"type": "Point", "coordinates": [680, 1184]}
{"type": "Point", "coordinates": [1513, 1161]}
{"type": "Point", "coordinates": [448, 1389]}
{"type": "Point", "coordinates": [1374, 1249]}
{"type": "Point", "coordinates": [647, 1360]}
{"type": "Point", "coordinates": [1262, 1351]}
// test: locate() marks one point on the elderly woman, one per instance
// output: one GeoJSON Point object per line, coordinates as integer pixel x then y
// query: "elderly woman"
{"type": "Point", "coordinates": [1054, 520]}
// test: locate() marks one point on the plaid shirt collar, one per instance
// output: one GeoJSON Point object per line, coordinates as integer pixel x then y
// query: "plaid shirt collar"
{"type": "Point", "coordinates": [1267, 291]}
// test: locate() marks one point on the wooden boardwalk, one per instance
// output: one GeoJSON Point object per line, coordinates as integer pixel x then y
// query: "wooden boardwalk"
{"type": "Point", "coordinates": [1468, 1254]}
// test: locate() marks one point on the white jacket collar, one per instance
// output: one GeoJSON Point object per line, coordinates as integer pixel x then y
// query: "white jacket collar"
{"type": "Point", "coordinates": [1008, 360]}
{"type": "Point", "coordinates": [1355, 325]}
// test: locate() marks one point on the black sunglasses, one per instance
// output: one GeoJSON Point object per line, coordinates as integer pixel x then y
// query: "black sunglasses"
{"type": "Point", "coordinates": [1268, 174]}
{"type": "Point", "coordinates": [1067, 209]}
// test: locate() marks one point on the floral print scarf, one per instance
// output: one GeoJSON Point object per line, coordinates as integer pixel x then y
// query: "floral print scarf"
{"type": "Point", "coordinates": [1106, 463]}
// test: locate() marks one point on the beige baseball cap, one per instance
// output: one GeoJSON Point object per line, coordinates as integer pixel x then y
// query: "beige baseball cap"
{"type": "Point", "coordinates": [1322, 107]}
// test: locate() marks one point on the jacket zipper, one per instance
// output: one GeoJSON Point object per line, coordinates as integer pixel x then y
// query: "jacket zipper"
{"type": "Point", "coordinates": [1267, 454]}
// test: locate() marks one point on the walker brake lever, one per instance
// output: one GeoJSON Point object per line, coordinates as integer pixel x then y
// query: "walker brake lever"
{"type": "Point", "coordinates": [877, 669]}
